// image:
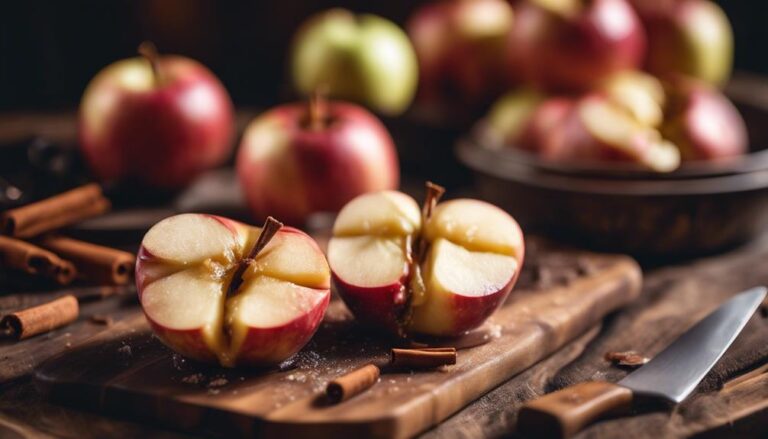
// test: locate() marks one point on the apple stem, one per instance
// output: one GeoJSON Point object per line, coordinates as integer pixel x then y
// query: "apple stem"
{"type": "Point", "coordinates": [148, 50]}
{"type": "Point", "coordinates": [271, 227]}
{"type": "Point", "coordinates": [316, 109]}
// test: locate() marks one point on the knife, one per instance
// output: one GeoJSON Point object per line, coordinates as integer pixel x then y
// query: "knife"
{"type": "Point", "coordinates": [671, 376]}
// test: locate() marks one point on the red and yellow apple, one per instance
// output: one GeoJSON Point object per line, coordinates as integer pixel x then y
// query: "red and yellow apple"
{"type": "Point", "coordinates": [688, 37]}
{"type": "Point", "coordinates": [572, 45]}
{"type": "Point", "coordinates": [525, 118]}
{"type": "Point", "coordinates": [461, 46]}
{"type": "Point", "coordinates": [158, 120]}
{"type": "Point", "coordinates": [702, 122]}
{"type": "Point", "coordinates": [293, 162]}
{"type": "Point", "coordinates": [439, 274]}
{"type": "Point", "coordinates": [598, 129]}
{"type": "Point", "coordinates": [185, 271]}
{"type": "Point", "coordinates": [363, 58]}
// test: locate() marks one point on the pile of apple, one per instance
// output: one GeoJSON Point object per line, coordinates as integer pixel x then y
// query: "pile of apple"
{"type": "Point", "coordinates": [618, 80]}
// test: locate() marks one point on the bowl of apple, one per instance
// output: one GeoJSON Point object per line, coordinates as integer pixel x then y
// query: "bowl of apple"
{"type": "Point", "coordinates": [637, 165]}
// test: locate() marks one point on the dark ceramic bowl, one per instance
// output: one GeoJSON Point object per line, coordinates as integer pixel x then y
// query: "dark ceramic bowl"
{"type": "Point", "coordinates": [700, 208]}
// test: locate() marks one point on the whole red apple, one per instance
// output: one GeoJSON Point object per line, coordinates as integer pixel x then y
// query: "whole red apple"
{"type": "Point", "coordinates": [689, 37]}
{"type": "Point", "coordinates": [219, 291]}
{"type": "Point", "coordinates": [297, 159]}
{"type": "Point", "coordinates": [572, 45]}
{"type": "Point", "coordinates": [158, 120]}
{"type": "Point", "coordinates": [461, 47]}
{"type": "Point", "coordinates": [525, 118]}
{"type": "Point", "coordinates": [702, 122]}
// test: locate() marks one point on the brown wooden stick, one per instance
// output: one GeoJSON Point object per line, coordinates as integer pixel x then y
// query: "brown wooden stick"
{"type": "Point", "coordinates": [353, 383]}
{"type": "Point", "coordinates": [42, 318]}
{"type": "Point", "coordinates": [96, 263]}
{"type": "Point", "coordinates": [426, 358]}
{"type": "Point", "coordinates": [54, 212]}
{"type": "Point", "coordinates": [34, 260]}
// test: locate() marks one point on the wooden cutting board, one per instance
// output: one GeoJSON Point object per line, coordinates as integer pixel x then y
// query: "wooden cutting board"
{"type": "Point", "coordinates": [127, 372]}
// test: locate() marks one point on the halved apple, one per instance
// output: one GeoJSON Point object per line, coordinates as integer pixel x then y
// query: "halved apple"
{"type": "Point", "coordinates": [185, 272]}
{"type": "Point", "coordinates": [441, 272]}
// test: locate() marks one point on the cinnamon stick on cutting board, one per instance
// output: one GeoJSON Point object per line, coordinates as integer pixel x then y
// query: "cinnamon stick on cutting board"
{"type": "Point", "coordinates": [42, 318]}
{"type": "Point", "coordinates": [21, 255]}
{"type": "Point", "coordinates": [54, 212]}
{"type": "Point", "coordinates": [94, 262]}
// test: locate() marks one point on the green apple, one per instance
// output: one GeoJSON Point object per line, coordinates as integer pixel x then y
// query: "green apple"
{"type": "Point", "coordinates": [364, 58]}
{"type": "Point", "coordinates": [691, 37]}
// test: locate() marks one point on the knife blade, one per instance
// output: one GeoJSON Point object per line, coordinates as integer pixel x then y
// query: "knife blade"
{"type": "Point", "coordinates": [671, 376]}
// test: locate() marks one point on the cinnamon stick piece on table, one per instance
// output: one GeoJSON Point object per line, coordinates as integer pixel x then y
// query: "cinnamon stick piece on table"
{"type": "Point", "coordinates": [96, 263]}
{"type": "Point", "coordinates": [21, 255]}
{"type": "Point", "coordinates": [425, 358]}
{"type": "Point", "coordinates": [54, 212]}
{"type": "Point", "coordinates": [42, 318]}
{"type": "Point", "coordinates": [353, 383]}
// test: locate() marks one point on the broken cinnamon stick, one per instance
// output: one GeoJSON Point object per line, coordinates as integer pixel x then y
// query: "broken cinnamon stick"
{"type": "Point", "coordinates": [425, 358]}
{"type": "Point", "coordinates": [271, 227]}
{"type": "Point", "coordinates": [96, 263]}
{"type": "Point", "coordinates": [42, 318]}
{"type": "Point", "coordinates": [54, 212]}
{"type": "Point", "coordinates": [21, 255]}
{"type": "Point", "coordinates": [353, 383]}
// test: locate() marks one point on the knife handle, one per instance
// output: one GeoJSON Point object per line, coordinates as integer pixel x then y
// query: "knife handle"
{"type": "Point", "coordinates": [567, 411]}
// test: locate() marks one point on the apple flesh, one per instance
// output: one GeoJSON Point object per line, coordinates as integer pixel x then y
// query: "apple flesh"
{"type": "Point", "coordinates": [362, 58]}
{"type": "Point", "coordinates": [597, 129]}
{"type": "Point", "coordinates": [572, 45]}
{"type": "Point", "coordinates": [289, 168]}
{"type": "Point", "coordinates": [640, 94]}
{"type": "Point", "coordinates": [688, 37]}
{"type": "Point", "coordinates": [703, 122]}
{"type": "Point", "coordinates": [461, 46]}
{"type": "Point", "coordinates": [160, 129]}
{"type": "Point", "coordinates": [473, 258]}
{"type": "Point", "coordinates": [183, 274]}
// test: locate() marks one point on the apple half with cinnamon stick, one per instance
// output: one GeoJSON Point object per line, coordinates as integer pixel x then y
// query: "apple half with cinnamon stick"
{"type": "Point", "coordinates": [441, 270]}
{"type": "Point", "coordinates": [217, 290]}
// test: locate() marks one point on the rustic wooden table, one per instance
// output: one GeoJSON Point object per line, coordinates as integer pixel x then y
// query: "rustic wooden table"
{"type": "Point", "coordinates": [673, 297]}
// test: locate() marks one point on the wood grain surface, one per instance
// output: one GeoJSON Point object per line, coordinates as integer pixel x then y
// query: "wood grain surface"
{"type": "Point", "coordinates": [136, 376]}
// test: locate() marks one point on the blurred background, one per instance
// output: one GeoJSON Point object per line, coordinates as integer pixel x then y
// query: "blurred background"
{"type": "Point", "coordinates": [50, 49]}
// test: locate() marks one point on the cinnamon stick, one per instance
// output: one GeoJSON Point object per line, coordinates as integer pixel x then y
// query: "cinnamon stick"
{"type": "Point", "coordinates": [21, 255]}
{"type": "Point", "coordinates": [271, 227]}
{"type": "Point", "coordinates": [54, 212]}
{"type": "Point", "coordinates": [42, 318]}
{"type": "Point", "coordinates": [353, 383]}
{"type": "Point", "coordinates": [96, 263]}
{"type": "Point", "coordinates": [425, 358]}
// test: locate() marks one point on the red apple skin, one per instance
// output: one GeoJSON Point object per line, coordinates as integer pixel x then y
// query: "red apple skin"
{"type": "Point", "coordinates": [545, 119]}
{"type": "Point", "coordinates": [378, 307]}
{"type": "Point", "coordinates": [163, 136]}
{"type": "Point", "coordinates": [703, 123]}
{"type": "Point", "coordinates": [687, 37]}
{"type": "Point", "coordinates": [290, 171]}
{"type": "Point", "coordinates": [471, 312]}
{"type": "Point", "coordinates": [269, 346]}
{"type": "Point", "coordinates": [455, 67]}
{"type": "Point", "coordinates": [575, 53]}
